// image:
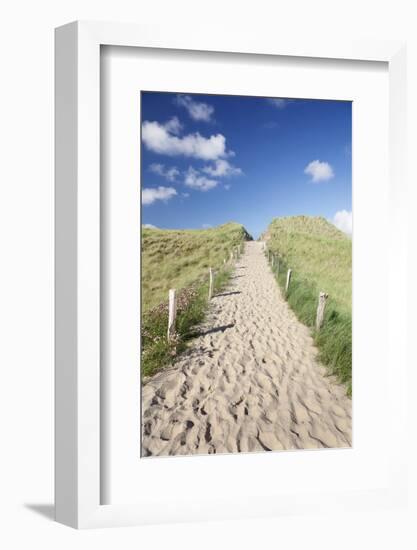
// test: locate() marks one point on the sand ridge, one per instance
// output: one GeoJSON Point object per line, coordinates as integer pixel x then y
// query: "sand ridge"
{"type": "Point", "coordinates": [250, 381]}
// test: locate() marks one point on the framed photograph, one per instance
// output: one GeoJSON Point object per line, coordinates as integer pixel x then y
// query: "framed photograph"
{"type": "Point", "coordinates": [228, 322]}
{"type": "Point", "coordinates": [227, 362]}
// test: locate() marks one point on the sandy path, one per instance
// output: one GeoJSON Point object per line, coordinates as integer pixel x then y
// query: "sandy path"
{"type": "Point", "coordinates": [249, 382]}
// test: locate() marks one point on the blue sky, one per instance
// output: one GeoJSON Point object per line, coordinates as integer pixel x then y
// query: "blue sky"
{"type": "Point", "coordinates": [210, 159]}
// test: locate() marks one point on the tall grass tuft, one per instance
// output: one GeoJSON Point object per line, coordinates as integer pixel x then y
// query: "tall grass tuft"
{"type": "Point", "coordinates": [320, 258]}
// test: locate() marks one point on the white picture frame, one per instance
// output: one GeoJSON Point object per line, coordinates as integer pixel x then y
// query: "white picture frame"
{"type": "Point", "coordinates": [78, 405]}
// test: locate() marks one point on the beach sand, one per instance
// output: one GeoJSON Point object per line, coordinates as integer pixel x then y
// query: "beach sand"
{"type": "Point", "coordinates": [250, 381]}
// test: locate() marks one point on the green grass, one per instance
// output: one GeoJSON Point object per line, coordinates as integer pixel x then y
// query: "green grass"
{"type": "Point", "coordinates": [157, 352]}
{"type": "Point", "coordinates": [180, 260]}
{"type": "Point", "coordinates": [320, 257]}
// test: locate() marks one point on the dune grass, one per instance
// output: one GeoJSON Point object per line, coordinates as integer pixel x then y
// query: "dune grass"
{"type": "Point", "coordinates": [157, 351]}
{"type": "Point", "coordinates": [320, 257]}
{"type": "Point", "coordinates": [180, 259]}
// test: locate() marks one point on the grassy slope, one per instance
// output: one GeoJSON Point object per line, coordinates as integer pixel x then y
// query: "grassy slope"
{"type": "Point", "coordinates": [320, 257]}
{"type": "Point", "coordinates": [180, 259]}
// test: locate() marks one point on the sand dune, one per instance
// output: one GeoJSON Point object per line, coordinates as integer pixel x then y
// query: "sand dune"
{"type": "Point", "coordinates": [250, 381]}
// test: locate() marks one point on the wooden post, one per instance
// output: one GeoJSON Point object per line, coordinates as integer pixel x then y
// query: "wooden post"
{"type": "Point", "coordinates": [320, 309]}
{"type": "Point", "coordinates": [210, 295]}
{"type": "Point", "coordinates": [172, 312]}
{"type": "Point", "coordinates": [287, 286]}
{"type": "Point", "coordinates": [231, 255]}
{"type": "Point", "coordinates": [224, 261]}
{"type": "Point", "coordinates": [272, 261]}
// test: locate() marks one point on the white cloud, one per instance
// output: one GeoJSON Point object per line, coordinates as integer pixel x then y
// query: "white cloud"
{"type": "Point", "coordinates": [277, 102]}
{"type": "Point", "coordinates": [157, 169]}
{"type": "Point", "coordinates": [319, 171]}
{"type": "Point", "coordinates": [195, 180]}
{"type": "Point", "coordinates": [222, 168]}
{"type": "Point", "coordinates": [168, 173]}
{"type": "Point", "coordinates": [149, 226]}
{"type": "Point", "coordinates": [150, 195]}
{"type": "Point", "coordinates": [160, 138]}
{"type": "Point", "coordinates": [227, 186]}
{"type": "Point", "coordinates": [343, 221]}
{"type": "Point", "coordinates": [173, 126]}
{"type": "Point", "coordinates": [206, 225]}
{"type": "Point", "coordinates": [196, 109]}
{"type": "Point", "coordinates": [185, 195]}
